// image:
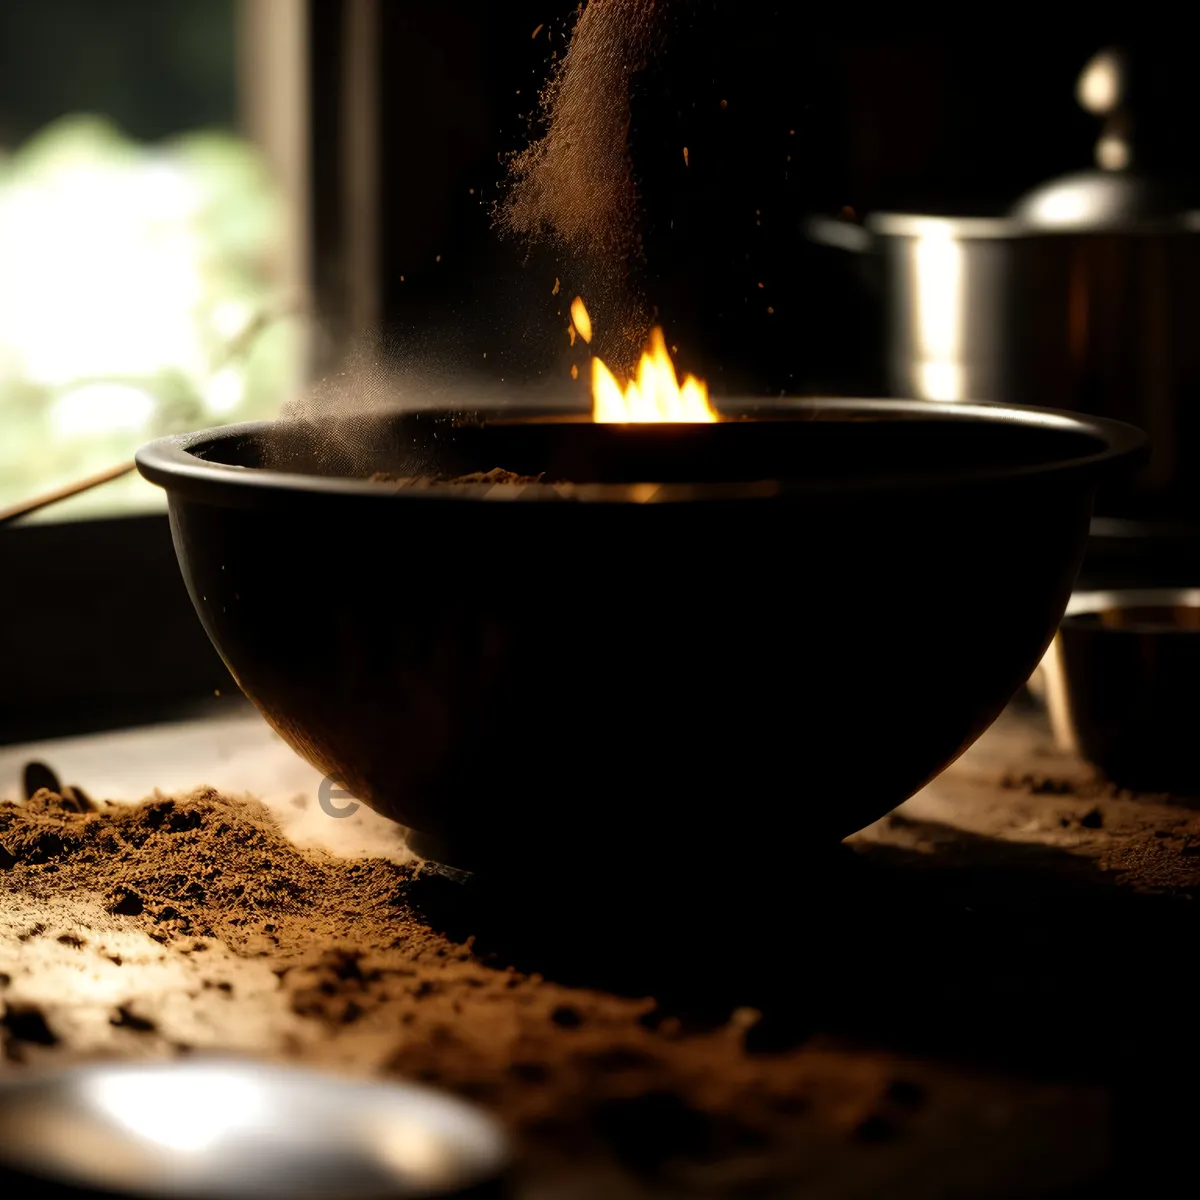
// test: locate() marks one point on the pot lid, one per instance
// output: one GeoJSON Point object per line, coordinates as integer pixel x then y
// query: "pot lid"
{"type": "Point", "coordinates": [1099, 201]}
{"type": "Point", "coordinates": [1119, 194]}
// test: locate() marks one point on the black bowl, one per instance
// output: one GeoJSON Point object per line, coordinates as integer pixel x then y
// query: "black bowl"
{"type": "Point", "coordinates": [757, 635]}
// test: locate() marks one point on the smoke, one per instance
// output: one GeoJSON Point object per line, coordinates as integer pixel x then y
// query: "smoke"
{"type": "Point", "coordinates": [574, 185]}
{"type": "Point", "coordinates": [339, 424]}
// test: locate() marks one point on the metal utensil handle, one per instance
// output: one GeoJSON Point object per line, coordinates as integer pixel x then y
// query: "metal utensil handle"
{"type": "Point", "coordinates": [841, 235]}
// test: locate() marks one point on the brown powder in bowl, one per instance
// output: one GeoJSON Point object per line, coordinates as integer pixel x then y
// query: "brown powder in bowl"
{"type": "Point", "coordinates": [496, 475]}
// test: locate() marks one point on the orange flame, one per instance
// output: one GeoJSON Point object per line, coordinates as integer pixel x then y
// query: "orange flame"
{"type": "Point", "coordinates": [580, 319]}
{"type": "Point", "coordinates": [653, 395]}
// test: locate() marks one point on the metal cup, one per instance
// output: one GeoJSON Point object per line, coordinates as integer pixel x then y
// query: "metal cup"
{"type": "Point", "coordinates": [1119, 682]}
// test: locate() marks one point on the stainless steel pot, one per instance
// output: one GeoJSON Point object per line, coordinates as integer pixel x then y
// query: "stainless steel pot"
{"type": "Point", "coordinates": [1085, 296]}
{"type": "Point", "coordinates": [1105, 322]}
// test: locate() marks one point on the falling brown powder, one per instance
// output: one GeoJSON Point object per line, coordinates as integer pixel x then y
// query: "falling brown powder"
{"type": "Point", "coordinates": [575, 184]}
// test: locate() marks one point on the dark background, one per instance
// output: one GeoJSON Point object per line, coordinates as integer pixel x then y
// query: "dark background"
{"type": "Point", "coordinates": [156, 67]}
{"type": "Point", "coordinates": [889, 111]}
{"type": "Point", "coordinates": [886, 115]}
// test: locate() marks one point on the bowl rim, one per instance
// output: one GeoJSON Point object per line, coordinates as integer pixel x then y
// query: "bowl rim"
{"type": "Point", "coordinates": [171, 462]}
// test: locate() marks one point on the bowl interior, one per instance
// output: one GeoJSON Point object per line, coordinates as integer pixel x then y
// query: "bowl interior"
{"type": "Point", "coordinates": [809, 445]}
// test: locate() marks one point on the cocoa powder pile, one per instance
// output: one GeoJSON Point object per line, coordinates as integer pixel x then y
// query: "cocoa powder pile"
{"type": "Point", "coordinates": [961, 1005]}
{"type": "Point", "coordinates": [497, 475]}
{"type": "Point", "coordinates": [191, 923]}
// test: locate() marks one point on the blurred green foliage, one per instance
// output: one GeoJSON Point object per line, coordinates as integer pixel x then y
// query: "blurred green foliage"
{"type": "Point", "coordinates": [142, 293]}
{"type": "Point", "coordinates": [141, 242]}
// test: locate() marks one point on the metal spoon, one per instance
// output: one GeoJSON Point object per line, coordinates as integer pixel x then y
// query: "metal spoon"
{"type": "Point", "coordinates": [227, 1129]}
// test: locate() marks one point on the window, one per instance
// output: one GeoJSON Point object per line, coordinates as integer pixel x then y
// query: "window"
{"type": "Point", "coordinates": [145, 281]}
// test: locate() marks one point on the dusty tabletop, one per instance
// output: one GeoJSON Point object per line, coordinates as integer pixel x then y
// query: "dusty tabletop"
{"type": "Point", "coordinates": [950, 1001]}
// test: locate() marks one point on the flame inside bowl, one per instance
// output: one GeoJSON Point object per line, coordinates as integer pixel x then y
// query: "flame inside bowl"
{"type": "Point", "coordinates": [654, 395]}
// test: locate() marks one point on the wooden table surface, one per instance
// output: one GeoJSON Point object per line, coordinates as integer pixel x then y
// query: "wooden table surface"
{"type": "Point", "coordinates": [1015, 942]}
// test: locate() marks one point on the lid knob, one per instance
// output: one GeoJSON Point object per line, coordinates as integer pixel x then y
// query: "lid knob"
{"type": "Point", "coordinates": [1103, 85]}
{"type": "Point", "coordinates": [1103, 89]}
{"type": "Point", "coordinates": [1119, 195]}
